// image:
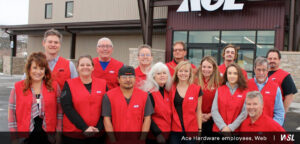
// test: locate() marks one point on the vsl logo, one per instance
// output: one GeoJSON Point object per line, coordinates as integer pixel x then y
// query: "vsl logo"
{"type": "Point", "coordinates": [136, 106]}
{"type": "Point", "coordinates": [98, 92]}
{"type": "Point", "coordinates": [267, 92]}
{"type": "Point", "coordinates": [111, 72]}
{"type": "Point", "coordinates": [207, 5]}
{"type": "Point", "coordinates": [191, 98]}
{"type": "Point", "coordinates": [239, 96]}
{"type": "Point", "coordinates": [273, 78]}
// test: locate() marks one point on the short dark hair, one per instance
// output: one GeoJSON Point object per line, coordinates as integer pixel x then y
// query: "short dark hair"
{"type": "Point", "coordinates": [236, 48]}
{"type": "Point", "coordinates": [274, 50]}
{"type": "Point", "coordinates": [85, 56]}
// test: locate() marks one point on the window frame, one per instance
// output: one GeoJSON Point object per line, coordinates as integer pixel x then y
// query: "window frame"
{"type": "Point", "coordinates": [66, 9]}
{"type": "Point", "coordinates": [46, 9]}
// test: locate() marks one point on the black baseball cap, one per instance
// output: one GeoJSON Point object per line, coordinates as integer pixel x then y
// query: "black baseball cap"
{"type": "Point", "coordinates": [126, 70]}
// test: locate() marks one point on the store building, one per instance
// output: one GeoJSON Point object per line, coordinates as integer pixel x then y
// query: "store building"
{"type": "Point", "coordinates": [257, 26]}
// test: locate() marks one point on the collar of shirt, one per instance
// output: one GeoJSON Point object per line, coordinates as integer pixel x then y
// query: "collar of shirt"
{"type": "Point", "coordinates": [232, 89]}
{"type": "Point", "coordinates": [52, 63]}
{"type": "Point", "coordinates": [260, 86]}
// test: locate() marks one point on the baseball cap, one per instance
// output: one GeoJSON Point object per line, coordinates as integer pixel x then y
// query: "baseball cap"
{"type": "Point", "coordinates": [126, 70]}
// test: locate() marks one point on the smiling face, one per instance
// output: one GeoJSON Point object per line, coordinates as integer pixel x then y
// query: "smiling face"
{"type": "Point", "coordinates": [51, 45]}
{"type": "Point", "coordinates": [207, 69]}
{"type": "Point", "coordinates": [273, 60]}
{"type": "Point", "coordinates": [161, 78]}
{"type": "Point", "coordinates": [104, 49]}
{"type": "Point", "coordinates": [232, 75]}
{"type": "Point", "coordinates": [179, 52]}
{"type": "Point", "coordinates": [126, 81]}
{"type": "Point", "coordinates": [145, 57]}
{"type": "Point", "coordinates": [261, 72]}
{"type": "Point", "coordinates": [254, 107]}
{"type": "Point", "coordinates": [85, 67]}
{"type": "Point", "coordinates": [36, 72]}
{"type": "Point", "coordinates": [229, 54]}
{"type": "Point", "coordinates": [184, 73]}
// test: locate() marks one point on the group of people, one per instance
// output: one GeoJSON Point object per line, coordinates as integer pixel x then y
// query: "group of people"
{"type": "Point", "coordinates": [101, 99]}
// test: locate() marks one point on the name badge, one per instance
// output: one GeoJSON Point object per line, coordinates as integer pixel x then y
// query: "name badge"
{"type": "Point", "coordinates": [136, 106]}
{"type": "Point", "coordinates": [267, 92]}
{"type": "Point", "coordinates": [273, 78]}
{"type": "Point", "coordinates": [61, 70]}
{"type": "Point", "coordinates": [239, 96]}
{"type": "Point", "coordinates": [98, 92]}
{"type": "Point", "coordinates": [191, 98]}
{"type": "Point", "coordinates": [111, 72]}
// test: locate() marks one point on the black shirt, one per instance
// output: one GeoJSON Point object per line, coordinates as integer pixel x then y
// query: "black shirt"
{"type": "Point", "coordinates": [71, 113]}
{"type": "Point", "coordinates": [288, 85]}
{"type": "Point", "coordinates": [178, 106]}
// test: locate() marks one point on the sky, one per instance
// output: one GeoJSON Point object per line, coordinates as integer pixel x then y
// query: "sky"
{"type": "Point", "coordinates": [13, 12]}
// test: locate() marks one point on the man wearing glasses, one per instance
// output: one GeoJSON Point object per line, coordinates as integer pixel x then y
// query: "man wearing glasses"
{"type": "Point", "coordinates": [179, 52]}
{"type": "Point", "coordinates": [106, 67]}
{"type": "Point", "coordinates": [145, 60]}
{"type": "Point", "coordinates": [126, 109]}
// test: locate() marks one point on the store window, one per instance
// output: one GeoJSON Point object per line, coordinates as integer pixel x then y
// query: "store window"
{"type": "Point", "coordinates": [48, 10]}
{"type": "Point", "coordinates": [211, 43]}
{"type": "Point", "coordinates": [69, 9]}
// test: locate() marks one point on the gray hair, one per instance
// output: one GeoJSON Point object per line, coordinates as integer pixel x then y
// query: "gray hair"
{"type": "Point", "coordinates": [105, 39]}
{"type": "Point", "coordinates": [254, 94]}
{"type": "Point", "coordinates": [261, 61]}
{"type": "Point", "coordinates": [53, 32]}
{"type": "Point", "coordinates": [151, 84]}
{"type": "Point", "coordinates": [144, 46]}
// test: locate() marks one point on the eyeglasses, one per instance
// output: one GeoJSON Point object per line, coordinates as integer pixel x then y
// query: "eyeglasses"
{"type": "Point", "coordinates": [104, 46]}
{"type": "Point", "coordinates": [179, 50]}
{"type": "Point", "coordinates": [144, 55]}
{"type": "Point", "coordinates": [127, 76]}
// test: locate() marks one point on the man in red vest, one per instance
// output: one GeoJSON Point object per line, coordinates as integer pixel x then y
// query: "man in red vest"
{"type": "Point", "coordinates": [126, 109]}
{"type": "Point", "coordinates": [106, 67]}
{"type": "Point", "coordinates": [281, 77]}
{"type": "Point", "coordinates": [179, 52]}
{"type": "Point", "coordinates": [61, 68]}
{"type": "Point", "coordinates": [230, 54]}
{"type": "Point", "coordinates": [273, 105]}
{"type": "Point", "coordinates": [257, 121]}
{"type": "Point", "coordinates": [145, 60]}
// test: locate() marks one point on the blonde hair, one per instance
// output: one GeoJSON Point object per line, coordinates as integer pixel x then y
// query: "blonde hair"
{"type": "Point", "coordinates": [214, 80]}
{"type": "Point", "coordinates": [181, 64]}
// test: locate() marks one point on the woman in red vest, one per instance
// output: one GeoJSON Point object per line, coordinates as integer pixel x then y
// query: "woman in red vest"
{"type": "Point", "coordinates": [158, 84]}
{"type": "Point", "coordinates": [81, 101]}
{"type": "Point", "coordinates": [186, 103]}
{"type": "Point", "coordinates": [34, 103]}
{"type": "Point", "coordinates": [228, 110]}
{"type": "Point", "coordinates": [208, 78]}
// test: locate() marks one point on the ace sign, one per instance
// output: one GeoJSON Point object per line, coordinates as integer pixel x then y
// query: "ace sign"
{"type": "Point", "coordinates": [197, 5]}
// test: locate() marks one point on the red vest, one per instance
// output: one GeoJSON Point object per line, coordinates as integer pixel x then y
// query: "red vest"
{"type": "Point", "coordinates": [24, 103]}
{"type": "Point", "coordinates": [207, 100]}
{"type": "Point", "coordinates": [140, 77]}
{"type": "Point", "coordinates": [278, 77]}
{"type": "Point", "coordinates": [162, 111]}
{"type": "Point", "coordinates": [269, 95]}
{"type": "Point", "coordinates": [222, 69]}
{"type": "Point", "coordinates": [61, 71]}
{"type": "Point", "coordinates": [88, 105]}
{"type": "Point", "coordinates": [127, 117]}
{"type": "Point", "coordinates": [263, 124]}
{"type": "Point", "coordinates": [172, 65]}
{"type": "Point", "coordinates": [189, 107]}
{"type": "Point", "coordinates": [110, 74]}
{"type": "Point", "coordinates": [229, 106]}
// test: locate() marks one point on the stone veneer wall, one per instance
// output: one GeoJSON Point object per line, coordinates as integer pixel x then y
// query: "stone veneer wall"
{"type": "Point", "coordinates": [290, 62]}
{"type": "Point", "coordinates": [158, 56]}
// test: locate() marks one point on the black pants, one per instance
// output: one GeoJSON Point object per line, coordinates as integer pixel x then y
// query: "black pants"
{"type": "Point", "coordinates": [92, 140]}
{"type": "Point", "coordinates": [38, 135]}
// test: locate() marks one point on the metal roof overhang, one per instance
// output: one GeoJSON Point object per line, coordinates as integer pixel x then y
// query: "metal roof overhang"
{"type": "Point", "coordinates": [99, 27]}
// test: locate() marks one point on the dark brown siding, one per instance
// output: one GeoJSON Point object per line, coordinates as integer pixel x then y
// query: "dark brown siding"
{"type": "Point", "coordinates": [254, 16]}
